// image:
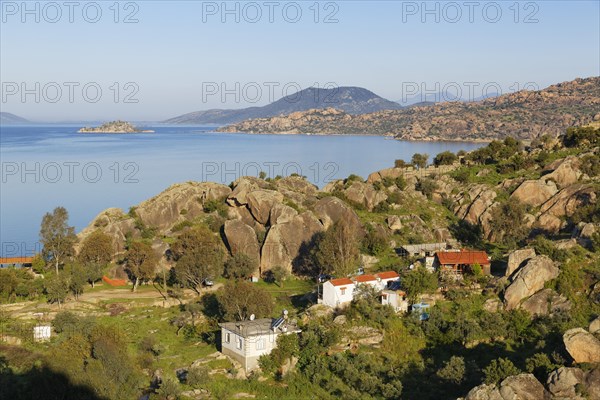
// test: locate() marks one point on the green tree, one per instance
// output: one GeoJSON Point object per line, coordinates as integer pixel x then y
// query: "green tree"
{"type": "Point", "coordinates": [76, 277]}
{"type": "Point", "coordinates": [445, 158]}
{"type": "Point", "coordinates": [57, 237]}
{"type": "Point", "coordinates": [419, 281]}
{"type": "Point", "coordinates": [400, 164]}
{"type": "Point", "coordinates": [427, 186]}
{"type": "Point", "coordinates": [199, 255]}
{"type": "Point", "coordinates": [280, 274]}
{"type": "Point", "coordinates": [453, 370]}
{"type": "Point", "coordinates": [240, 266]}
{"type": "Point", "coordinates": [57, 289]}
{"type": "Point", "coordinates": [337, 249]}
{"type": "Point", "coordinates": [95, 254]}
{"type": "Point", "coordinates": [507, 222]}
{"type": "Point", "coordinates": [420, 160]}
{"type": "Point", "coordinates": [141, 262]}
{"type": "Point", "coordinates": [238, 300]}
{"type": "Point", "coordinates": [498, 370]}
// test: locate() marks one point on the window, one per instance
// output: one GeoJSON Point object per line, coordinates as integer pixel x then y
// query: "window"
{"type": "Point", "coordinates": [260, 344]}
{"type": "Point", "coordinates": [240, 343]}
{"type": "Point", "coordinates": [343, 291]}
{"type": "Point", "coordinates": [227, 337]}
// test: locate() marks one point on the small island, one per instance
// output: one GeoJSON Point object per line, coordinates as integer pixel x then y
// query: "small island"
{"type": "Point", "coordinates": [114, 127]}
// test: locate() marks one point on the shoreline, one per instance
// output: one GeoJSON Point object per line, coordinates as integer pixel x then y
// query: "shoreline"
{"type": "Point", "coordinates": [386, 136]}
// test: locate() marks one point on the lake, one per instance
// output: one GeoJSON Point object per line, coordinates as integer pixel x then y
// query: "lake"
{"type": "Point", "coordinates": [48, 166]}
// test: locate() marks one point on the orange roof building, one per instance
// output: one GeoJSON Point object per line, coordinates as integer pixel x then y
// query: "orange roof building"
{"type": "Point", "coordinates": [460, 261]}
{"type": "Point", "coordinates": [341, 282]}
{"type": "Point", "coordinates": [16, 260]}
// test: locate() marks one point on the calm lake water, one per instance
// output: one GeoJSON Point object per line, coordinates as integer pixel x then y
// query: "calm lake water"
{"type": "Point", "coordinates": [48, 166]}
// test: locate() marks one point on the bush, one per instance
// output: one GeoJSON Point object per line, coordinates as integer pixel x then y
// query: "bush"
{"type": "Point", "coordinates": [400, 164]}
{"type": "Point", "coordinates": [498, 370]}
{"type": "Point", "coordinates": [445, 158]}
{"type": "Point", "coordinates": [453, 370]}
{"type": "Point", "coordinates": [427, 186]}
{"type": "Point", "coordinates": [581, 136]}
{"type": "Point", "coordinates": [198, 376]}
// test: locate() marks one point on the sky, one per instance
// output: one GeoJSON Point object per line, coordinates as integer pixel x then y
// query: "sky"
{"type": "Point", "coordinates": [152, 60]}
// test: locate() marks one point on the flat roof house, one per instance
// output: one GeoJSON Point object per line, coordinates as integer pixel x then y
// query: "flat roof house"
{"type": "Point", "coordinates": [246, 341]}
{"type": "Point", "coordinates": [460, 261]}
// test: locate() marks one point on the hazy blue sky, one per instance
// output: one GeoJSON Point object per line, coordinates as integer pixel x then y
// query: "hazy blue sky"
{"type": "Point", "coordinates": [178, 49]}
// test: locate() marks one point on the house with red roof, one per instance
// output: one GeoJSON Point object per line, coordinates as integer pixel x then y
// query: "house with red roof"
{"type": "Point", "coordinates": [339, 292]}
{"type": "Point", "coordinates": [461, 261]}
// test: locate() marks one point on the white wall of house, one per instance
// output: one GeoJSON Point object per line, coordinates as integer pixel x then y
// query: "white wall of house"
{"type": "Point", "coordinates": [247, 350]}
{"type": "Point", "coordinates": [394, 299]}
{"type": "Point", "coordinates": [334, 296]}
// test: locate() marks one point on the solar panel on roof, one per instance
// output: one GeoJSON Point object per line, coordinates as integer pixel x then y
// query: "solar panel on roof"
{"type": "Point", "coordinates": [277, 323]}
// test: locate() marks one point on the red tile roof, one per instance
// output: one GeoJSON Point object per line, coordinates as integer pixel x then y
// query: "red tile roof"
{"type": "Point", "coordinates": [365, 278]}
{"type": "Point", "coordinates": [16, 260]}
{"type": "Point", "coordinates": [341, 282]}
{"type": "Point", "coordinates": [388, 275]}
{"type": "Point", "coordinates": [462, 257]}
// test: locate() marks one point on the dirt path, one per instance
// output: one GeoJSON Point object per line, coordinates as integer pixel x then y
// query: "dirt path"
{"type": "Point", "coordinates": [150, 297]}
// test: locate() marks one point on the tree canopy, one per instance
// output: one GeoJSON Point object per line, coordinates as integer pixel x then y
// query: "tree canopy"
{"type": "Point", "coordinates": [57, 237]}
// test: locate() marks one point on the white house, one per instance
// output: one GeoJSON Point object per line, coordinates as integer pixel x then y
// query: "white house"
{"type": "Point", "coordinates": [395, 297]}
{"type": "Point", "coordinates": [246, 341]}
{"type": "Point", "coordinates": [338, 292]}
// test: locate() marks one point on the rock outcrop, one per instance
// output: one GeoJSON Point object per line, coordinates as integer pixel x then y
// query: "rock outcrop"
{"type": "Point", "coordinates": [260, 202]}
{"type": "Point", "coordinates": [546, 302]}
{"type": "Point", "coordinates": [529, 279]}
{"type": "Point", "coordinates": [582, 345]}
{"type": "Point", "coordinates": [330, 210]}
{"type": "Point", "coordinates": [183, 199]}
{"type": "Point", "coordinates": [517, 259]}
{"type": "Point", "coordinates": [241, 238]}
{"type": "Point", "coordinates": [535, 192]}
{"type": "Point", "coordinates": [522, 387]}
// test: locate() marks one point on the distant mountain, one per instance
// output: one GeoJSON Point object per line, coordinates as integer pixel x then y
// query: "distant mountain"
{"type": "Point", "coordinates": [524, 114]}
{"type": "Point", "coordinates": [352, 100]}
{"type": "Point", "coordinates": [10, 119]}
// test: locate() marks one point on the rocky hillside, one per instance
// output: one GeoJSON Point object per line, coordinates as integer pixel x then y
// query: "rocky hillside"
{"type": "Point", "coordinates": [524, 115]}
{"type": "Point", "coordinates": [352, 100]}
{"type": "Point", "coordinates": [273, 219]}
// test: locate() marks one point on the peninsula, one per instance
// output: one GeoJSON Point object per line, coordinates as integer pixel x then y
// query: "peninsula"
{"type": "Point", "coordinates": [114, 127]}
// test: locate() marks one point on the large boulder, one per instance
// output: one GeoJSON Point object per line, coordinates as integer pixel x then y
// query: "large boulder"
{"type": "Point", "coordinates": [365, 194]}
{"type": "Point", "coordinates": [394, 222]}
{"type": "Point", "coordinates": [296, 185]}
{"type": "Point", "coordinates": [517, 259]}
{"type": "Point", "coordinates": [582, 345]}
{"type": "Point", "coordinates": [284, 241]}
{"type": "Point", "coordinates": [483, 198]}
{"type": "Point", "coordinates": [331, 210]}
{"type": "Point", "coordinates": [535, 192]}
{"type": "Point", "coordinates": [529, 279]}
{"type": "Point", "coordinates": [241, 238]}
{"type": "Point", "coordinates": [115, 223]}
{"type": "Point", "coordinates": [242, 187]}
{"type": "Point", "coordinates": [484, 392]}
{"type": "Point", "coordinates": [546, 302]}
{"type": "Point", "coordinates": [561, 383]}
{"type": "Point", "coordinates": [522, 387]}
{"type": "Point", "coordinates": [569, 200]}
{"type": "Point", "coordinates": [260, 202]}
{"type": "Point", "coordinates": [183, 200]}
{"type": "Point", "coordinates": [281, 213]}
{"type": "Point", "coordinates": [565, 172]}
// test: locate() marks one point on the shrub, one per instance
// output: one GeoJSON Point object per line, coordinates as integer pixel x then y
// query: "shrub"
{"type": "Point", "coordinates": [445, 158]}
{"type": "Point", "coordinates": [198, 376]}
{"type": "Point", "coordinates": [498, 370]}
{"type": "Point", "coordinates": [427, 186]}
